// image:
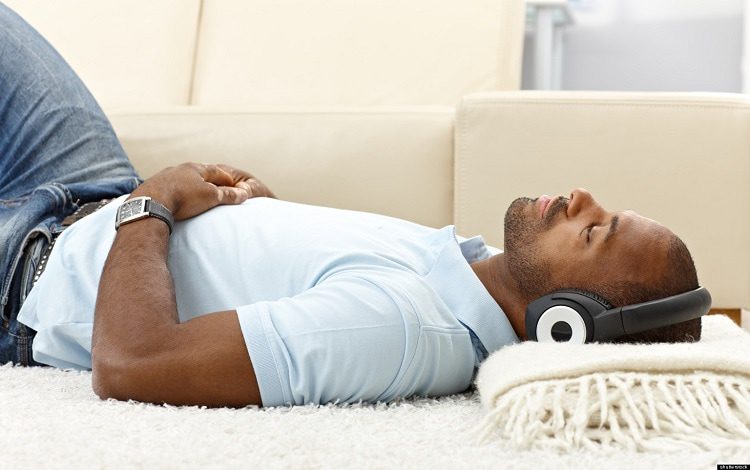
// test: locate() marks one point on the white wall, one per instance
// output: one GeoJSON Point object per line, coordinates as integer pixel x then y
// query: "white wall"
{"type": "Point", "coordinates": [652, 45]}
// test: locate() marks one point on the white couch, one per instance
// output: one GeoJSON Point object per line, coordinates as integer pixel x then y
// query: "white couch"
{"type": "Point", "coordinates": [339, 103]}
{"type": "Point", "coordinates": [359, 105]}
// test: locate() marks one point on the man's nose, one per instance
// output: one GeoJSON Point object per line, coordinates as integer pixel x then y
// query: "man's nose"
{"type": "Point", "coordinates": [580, 200]}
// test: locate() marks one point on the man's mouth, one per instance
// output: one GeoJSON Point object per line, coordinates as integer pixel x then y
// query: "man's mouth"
{"type": "Point", "coordinates": [544, 201]}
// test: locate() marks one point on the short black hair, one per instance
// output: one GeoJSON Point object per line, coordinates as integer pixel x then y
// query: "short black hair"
{"type": "Point", "coordinates": [680, 277]}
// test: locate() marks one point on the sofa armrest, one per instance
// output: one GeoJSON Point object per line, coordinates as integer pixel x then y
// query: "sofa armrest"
{"type": "Point", "coordinates": [680, 158]}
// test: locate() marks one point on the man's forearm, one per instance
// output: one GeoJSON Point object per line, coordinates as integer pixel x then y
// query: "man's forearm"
{"type": "Point", "coordinates": [139, 349]}
{"type": "Point", "coordinates": [136, 299]}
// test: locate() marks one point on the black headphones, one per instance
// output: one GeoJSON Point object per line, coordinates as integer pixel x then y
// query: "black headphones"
{"type": "Point", "coordinates": [581, 317]}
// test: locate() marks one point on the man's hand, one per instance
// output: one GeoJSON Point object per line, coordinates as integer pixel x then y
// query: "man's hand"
{"type": "Point", "coordinates": [190, 189]}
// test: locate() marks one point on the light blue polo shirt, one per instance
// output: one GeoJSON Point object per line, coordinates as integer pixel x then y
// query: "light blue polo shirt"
{"type": "Point", "coordinates": [334, 305]}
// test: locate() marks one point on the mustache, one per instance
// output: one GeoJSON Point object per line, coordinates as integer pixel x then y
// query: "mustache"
{"type": "Point", "coordinates": [559, 204]}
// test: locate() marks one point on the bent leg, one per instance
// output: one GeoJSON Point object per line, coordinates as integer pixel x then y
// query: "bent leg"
{"type": "Point", "coordinates": [51, 128]}
{"type": "Point", "coordinates": [57, 150]}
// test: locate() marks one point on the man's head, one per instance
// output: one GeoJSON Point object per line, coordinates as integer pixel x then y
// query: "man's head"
{"type": "Point", "coordinates": [556, 243]}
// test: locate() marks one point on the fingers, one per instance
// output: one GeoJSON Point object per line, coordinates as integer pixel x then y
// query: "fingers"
{"type": "Point", "coordinates": [232, 195]}
{"type": "Point", "coordinates": [236, 174]}
{"type": "Point", "coordinates": [247, 186]}
{"type": "Point", "coordinates": [256, 188]}
{"type": "Point", "coordinates": [214, 174]}
{"type": "Point", "coordinates": [226, 176]}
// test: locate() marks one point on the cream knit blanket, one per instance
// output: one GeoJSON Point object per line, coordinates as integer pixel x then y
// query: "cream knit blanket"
{"type": "Point", "coordinates": [657, 397]}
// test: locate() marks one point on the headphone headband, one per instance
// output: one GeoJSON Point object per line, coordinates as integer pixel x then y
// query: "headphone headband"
{"type": "Point", "coordinates": [601, 322]}
{"type": "Point", "coordinates": [667, 311]}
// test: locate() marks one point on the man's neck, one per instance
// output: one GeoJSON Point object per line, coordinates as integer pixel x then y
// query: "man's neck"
{"type": "Point", "coordinates": [494, 274]}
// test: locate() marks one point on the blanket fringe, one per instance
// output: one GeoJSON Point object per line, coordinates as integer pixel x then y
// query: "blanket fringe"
{"type": "Point", "coordinates": [624, 411]}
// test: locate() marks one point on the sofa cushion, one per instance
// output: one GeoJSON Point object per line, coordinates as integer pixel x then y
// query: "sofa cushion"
{"type": "Point", "coordinates": [365, 52]}
{"type": "Point", "coordinates": [134, 53]}
{"type": "Point", "coordinates": [393, 161]}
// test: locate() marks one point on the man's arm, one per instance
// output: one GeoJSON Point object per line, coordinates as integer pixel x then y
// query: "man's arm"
{"type": "Point", "coordinates": [140, 351]}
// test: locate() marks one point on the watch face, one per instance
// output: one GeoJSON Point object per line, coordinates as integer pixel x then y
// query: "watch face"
{"type": "Point", "coordinates": [132, 210]}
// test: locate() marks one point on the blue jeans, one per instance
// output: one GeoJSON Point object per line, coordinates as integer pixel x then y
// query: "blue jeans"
{"type": "Point", "coordinates": [57, 152]}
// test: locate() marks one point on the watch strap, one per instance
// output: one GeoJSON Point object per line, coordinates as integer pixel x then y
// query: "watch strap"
{"type": "Point", "coordinates": [160, 212]}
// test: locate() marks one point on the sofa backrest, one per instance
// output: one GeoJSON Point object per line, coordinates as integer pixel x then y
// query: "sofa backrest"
{"type": "Point", "coordinates": [364, 52]}
{"type": "Point", "coordinates": [155, 53]}
{"type": "Point", "coordinates": [396, 161]}
{"type": "Point", "coordinates": [130, 54]}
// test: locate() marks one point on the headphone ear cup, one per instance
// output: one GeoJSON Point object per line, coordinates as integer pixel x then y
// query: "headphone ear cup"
{"type": "Point", "coordinates": [605, 303]}
{"type": "Point", "coordinates": [561, 323]}
{"type": "Point", "coordinates": [574, 307]}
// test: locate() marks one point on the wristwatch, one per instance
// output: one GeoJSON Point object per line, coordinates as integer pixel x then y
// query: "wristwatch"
{"type": "Point", "coordinates": [141, 207]}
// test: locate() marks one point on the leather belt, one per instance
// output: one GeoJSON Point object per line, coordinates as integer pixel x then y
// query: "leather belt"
{"type": "Point", "coordinates": [83, 211]}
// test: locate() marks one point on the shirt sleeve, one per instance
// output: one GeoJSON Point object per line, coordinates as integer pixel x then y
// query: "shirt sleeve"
{"type": "Point", "coordinates": [349, 338]}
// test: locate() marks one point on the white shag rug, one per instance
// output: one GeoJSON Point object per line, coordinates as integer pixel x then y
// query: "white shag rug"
{"type": "Point", "coordinates": [52, 419]}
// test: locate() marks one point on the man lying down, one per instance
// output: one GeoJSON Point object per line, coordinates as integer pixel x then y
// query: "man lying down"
{"type": "Point", "coordinates": [213, 292]}
{"type": "Point", "coordinates": [269, 302]}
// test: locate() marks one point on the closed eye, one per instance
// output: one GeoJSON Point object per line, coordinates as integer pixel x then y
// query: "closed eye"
{"type": "Point", "coordinates": [588, 233]}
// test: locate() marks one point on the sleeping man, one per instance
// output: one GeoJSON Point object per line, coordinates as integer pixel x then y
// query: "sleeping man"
{"type": "Point", "coordinates": [214, 292]}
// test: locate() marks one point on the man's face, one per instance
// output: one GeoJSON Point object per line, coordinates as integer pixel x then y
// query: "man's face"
{"type": "Point", "coordinates": [554, 243]}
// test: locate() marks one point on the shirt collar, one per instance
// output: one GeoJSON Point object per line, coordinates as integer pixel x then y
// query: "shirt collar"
{"type": "Point", "coordinates": [473, 249]}
{"type": "Point", "coordinates": [464, 294]}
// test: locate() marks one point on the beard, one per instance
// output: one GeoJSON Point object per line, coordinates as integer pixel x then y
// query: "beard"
{"type": "Point", "coordinates": [522, 236]}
